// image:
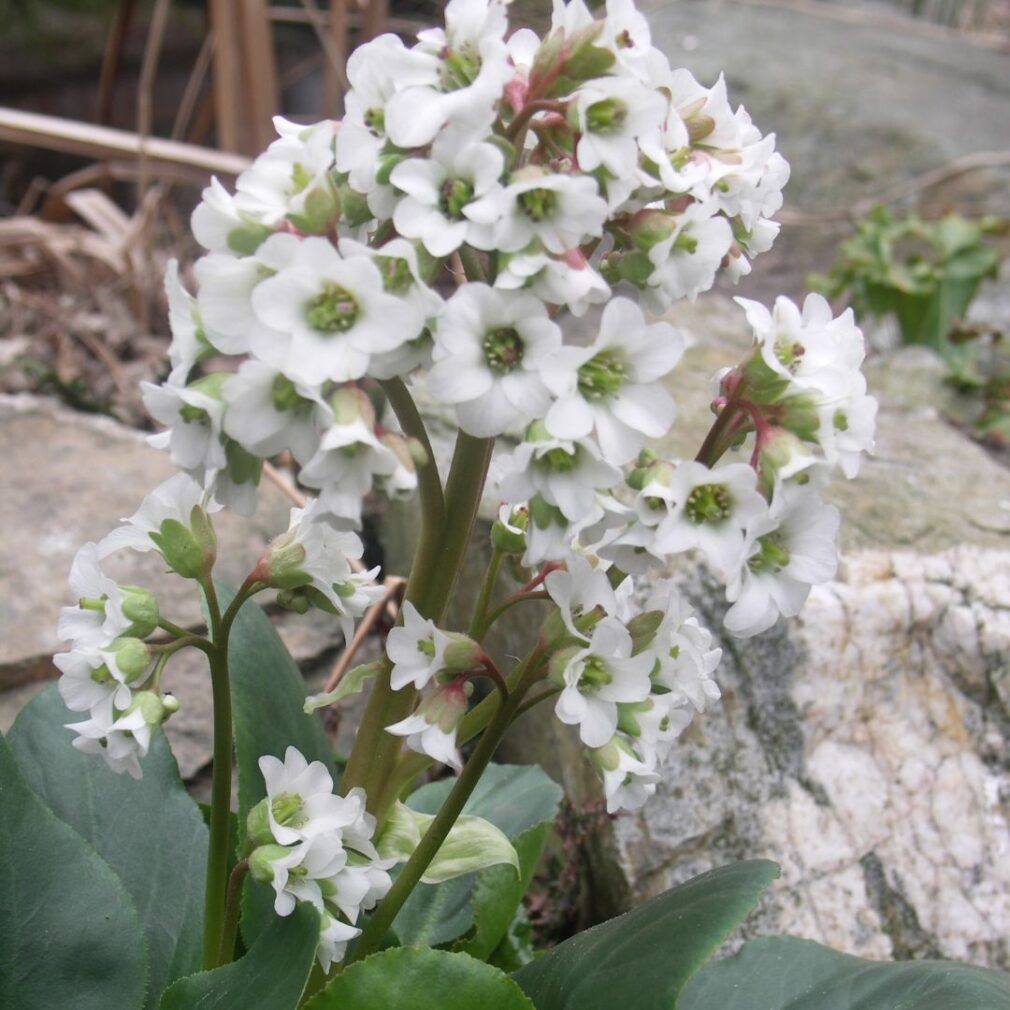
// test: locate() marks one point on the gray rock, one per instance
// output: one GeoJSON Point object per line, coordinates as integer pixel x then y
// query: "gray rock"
{"type": "Point", "coordinates": [68, 478]}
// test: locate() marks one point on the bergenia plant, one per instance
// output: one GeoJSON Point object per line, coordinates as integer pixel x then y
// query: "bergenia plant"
{"type": "Point", "coordinates": [483, 188]}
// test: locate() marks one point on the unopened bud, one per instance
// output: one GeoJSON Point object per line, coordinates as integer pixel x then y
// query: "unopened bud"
{"type": "Point", "coordinates": [131, 657]}
{"type": "Point", "coordinates": [320, 208]}
{"type": "Point", "coordinates": [141, 608]}
{"type": "Point", "coordinates": [281, 565]}
{"type": "Point", "coordinates": [650, 227]}
{"type": "Point", "coordinates": [561, 659]}
{"type": "Point", "coordinates": [461, 653]}
{"type": "Point", "coordinates": [150, 706]}
{"type": "Point", "coordinates": [295, 600]}
{"type": "Point", "coordinates": [350, 404]}
{"type": "Point", "coordinates": [261, 862]}
{"type": "Point", "coordinates": [447, 706]}
{"type": "Point", "coordinates": [508, 532]}
{"type": "Point", "coordinates": [170, 704]}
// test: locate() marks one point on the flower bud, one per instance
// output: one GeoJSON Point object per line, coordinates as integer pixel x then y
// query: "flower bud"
{"type": "Point", "coordinates": [643, 628]}
{"type": "Point", "coordinates": [320, 208]}
{"type": "Point", "coordinates": [350, 404]}
{"type": "Point", "coordinates": [257, 824]}
{"type": "Point", "coordinates": [170, 704]}
{"type": "Point", "coordinates": [563, 657]}
{"type": "Point", "coordinates": [461, 654]}
{"type": "Point", "coordinates": [131, 657]}
{"type": "Point", "coordinates": [650, 227]}
{"type": "Point", "coordinates": [447, 706]}
{"type": "Point", "coordinates": [261, 862]}
{"type": "Point", "coordinates": [508, 534]}
{"type": "Point", "coordinates": [141, 608]}
{"type": "Point", "coordinates": [150, 705]}
{"type": "Point", "coordinates": [295, 600]}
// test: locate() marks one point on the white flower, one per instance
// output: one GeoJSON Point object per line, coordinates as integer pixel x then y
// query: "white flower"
{"type": "Point", "coordinates": [611, 385]}
{"type": "Point", "coordinates": [333, 939]}
{"type": "Point", "coordinates": [682, 649]}
{"type": "Point", "coordinates": [416, 649]}
{"type": "Point", "coordinates": [628, 781]}
{"type": "Point", "coordinates": [490, 349]}
{"type": "Point", "coordinates": [332, 314]}
{"type": "Point", "coordinates": [811, 350]}
{"type": "Point", "coordinates": [565, 472]}
{"type": "Point", "coordinates": [468, 67]}
{"type": "Point", "coordinates": [784, 553]}
{"type": "Point", "coordinates": [562, 211]}
{"type": "Point", "coordinates": [293, 171]}
{"type": "Point", "coordinates": [599, 676]}
{"type": "Point", "coordinates": [174, 499]}
{"type": "Point", "coordinates": [567, 280]}
{"type": "Point", "coordinates": [268, 413]}
{"type": "Point", "coordinates": [225, 295]}
{"type": "Point", "coordinates": [612, 113]}
{"type": "Point", "coordinates": [685, 263]}
{"type": "Point", "coordinates": [709, 510]}
{"type": "Point", "coordinates": [193, 415]}
{"type": "Point", "coordinates": [92, 625]}
{"type": "Point", "coordinates": [432, 728]}
{"type": "Point", "coordinates": [439, 190]}
{"type": "Point", "coordinates": [300, 872]}
{"type": "Point", "coordinates": [87, 683]}
{"type": "Point", "coordinates": [578, 591]}
{"type": "Point", "coordinates": [221, 226]}
{"type": "Point", "coordinates": [121, 739]}
{"type": "Point", "coordinates": [312, 553]}
{"type": "Point", "coordinates": [188, 341]}
{"type": "Point", "coordinates": [300, 802]}
{"type": "Point", "coordinates": [847, 428]}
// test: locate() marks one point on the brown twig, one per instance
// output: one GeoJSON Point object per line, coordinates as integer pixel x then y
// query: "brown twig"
{"type": "Point", "coordinates": [394, 587]}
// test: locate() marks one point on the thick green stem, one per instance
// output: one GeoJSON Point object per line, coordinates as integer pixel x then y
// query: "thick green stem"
{"type": "Point", "coordinates": [477, 629]}
{"type": "Point", "coordinates": [220, 808]}
{"type": "Point", "coordinates": [233, 903]}
{"type": "Point", "coordinates": [432, 576]}
{"type": "Point", "coordinates": [436, 834]}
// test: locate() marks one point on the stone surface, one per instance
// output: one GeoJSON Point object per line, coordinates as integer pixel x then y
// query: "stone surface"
{"type": "Point", "coordinates": [68, 478]}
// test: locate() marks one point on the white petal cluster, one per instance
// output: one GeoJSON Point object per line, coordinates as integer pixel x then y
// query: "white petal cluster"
{"type": "Point", "coordinates": [630, 677]}
{"type": "Point", "coordinates": [314, 846]}
{"type": "Point", "coordinates": [108, 668]}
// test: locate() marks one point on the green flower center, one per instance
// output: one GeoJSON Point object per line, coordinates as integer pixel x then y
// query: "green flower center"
{"type": "Point", "coordinates": [772, 555]}
{"type": "Point", "coordinates": [300, 178]}
{"type": "Point", "coordinates": [503, 350]}
{"type": "Point", "coordinates": [285, 397]}
{"type": "Point", "coordinates": [709, 503]}
{"type": "Point", "coordinates": [841, 421]}
{"type": "Point", "coordinates": [594, 675]}
{"type": "Point", "coordinates": [396, 275]}
{"type": "Point", "coordinates": [560, 460]}
{"type": "Point", "coordinates": [454, 195]}
{"type": "Point", "coordinates": [606, 117]}
{"type": "Point", "coordinates": [426, 647]}
{"type": "Point", "coordinates": [333, 310]}
{"type": "Point", "coordinates": [789, 353]}
{"type": "Point", "coordinates": [287, 809]}
{"type": "Point", "coordinates": [538, 204]}
{"type": "Point", "coordinates": [375, 120]}
{"type": "Point", "coordinates": [193, 415]}
{"type": "Point", "coordinates": [602, 376]}
{"type": "Point", "coordinates": [460, 68]}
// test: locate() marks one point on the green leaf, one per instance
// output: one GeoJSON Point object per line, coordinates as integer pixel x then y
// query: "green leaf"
{"type": "Point", "coordinates": [271, 976]}
{"type": "Point", "coordinates": [268, 695]}
{"type": "Point", "coordinates": [514, 798]}
{"type": "Point", "coordinates": [785, 973]}
{"type": "Point", "coordinates": [71, 936]}
{"type": "Point", "coordinates": [420, 979]}
{"type": "Point", "coordinates": [499, 892]}
{"type": "Point", "coordinates": [643, 959]}
{"type": "Point", "coordinates": [149, 832]}
{"type": "Point", "coordinates": [352, 682]}
{"type": "Point", "coordinates": [472, 844]}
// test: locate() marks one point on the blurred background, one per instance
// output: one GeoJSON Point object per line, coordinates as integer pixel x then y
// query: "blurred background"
{"type": "Point", "coordinates": [864, 747]}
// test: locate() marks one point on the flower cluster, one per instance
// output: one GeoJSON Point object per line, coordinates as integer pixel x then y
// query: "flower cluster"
{"type": "Point", "coordinates": [311, 845]}
{"type": "Point", "coordinates": [481, 187]}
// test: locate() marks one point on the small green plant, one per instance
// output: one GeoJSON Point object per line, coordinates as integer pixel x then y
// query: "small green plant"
{"type": "Point", "coordinates": [926, 274]}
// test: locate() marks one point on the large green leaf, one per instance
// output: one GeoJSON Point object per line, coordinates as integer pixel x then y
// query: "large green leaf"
{"type": "Point", "coordinates": [70, 936]}
{"type": "Point", "coordinates": [271, 976]}
{"type": "Point", "coordinates": [785, 973]}
{"type": "Point", "coordinates": [268, 697]}
{"type": "Point", "coordinates": [420, 979]}
{"type": "Point", "coordinates": [514, 798]}
{"type": "Point", "coordinates": [643, 959]}
{"type": "Point", "coordinates": [150, 832]}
